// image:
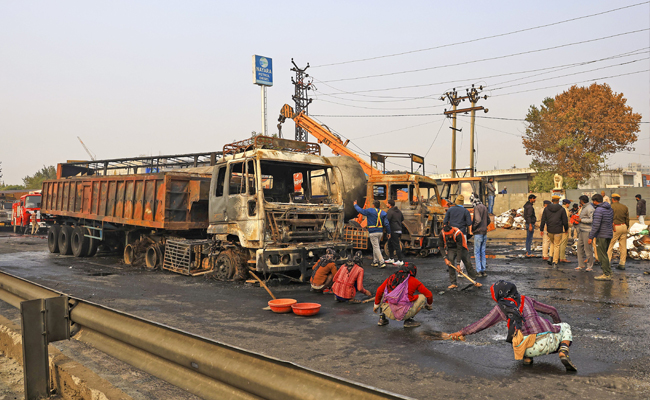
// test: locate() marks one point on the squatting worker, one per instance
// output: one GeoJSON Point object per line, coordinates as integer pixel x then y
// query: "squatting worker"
{"type": "Point", "coordinates": [397, 298]}
{"type": "Point", "coordinates": [531, 220]}
{"type": "Point", "coordinates": [555, 219]}
{"type": "Point", "coordinates": [566, 203]}
{"type": "Point", "coordinates": [377, 221]}
{"type": "Point", "coordinates": [602, 232]}
{"type": "Point", "coordinates": [323, 271]}
{"type": "Point", "coordinates": [453, 247]}
{"type": "Point", "coordinates": [480, 228]}
{"type": "Point", "coordinates": [621, 226]}
{"type": "Point", "coordinates": [395, 220]}
{"type": "Point", "coordinates": [349, 279]}
{"type": "Point", "coordinates": [531, 335]}
{"type": "Point", "coordinates": [585, 250]}
{"type": "Point", "coordinates": [458, 216]}
{"type": "Point", "coordinates": [491, 192]}
{"type": "Point", "coordinates": [546, 244]}
{"type": "Point", "coordinates": [640, 209]}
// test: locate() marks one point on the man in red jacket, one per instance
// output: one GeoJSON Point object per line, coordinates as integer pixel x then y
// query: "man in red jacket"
{"type": "Point", "coordinates": [424, 299]}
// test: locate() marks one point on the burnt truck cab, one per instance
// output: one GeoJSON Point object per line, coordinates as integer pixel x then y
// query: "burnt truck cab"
{"type": "Point", "coordinates": [278, 201]}
{"type": "Point", "coordinates": [415, 195]}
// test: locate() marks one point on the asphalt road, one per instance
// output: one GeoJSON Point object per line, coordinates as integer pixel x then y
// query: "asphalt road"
{"type": "Point", "coordinates": [610, 323]}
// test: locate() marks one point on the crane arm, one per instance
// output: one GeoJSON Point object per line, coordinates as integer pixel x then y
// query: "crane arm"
{"type": "Point", "coordinates": [325, 136]}
{"type": "Point", "coordinates": [92, 157]}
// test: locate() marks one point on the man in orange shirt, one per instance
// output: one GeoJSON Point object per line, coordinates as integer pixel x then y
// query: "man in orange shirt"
{"type": "Point", "coordinates": [322, 274]}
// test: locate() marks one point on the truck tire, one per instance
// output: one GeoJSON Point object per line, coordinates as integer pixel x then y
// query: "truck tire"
{"type": "Point", "coordinates": [401, 246]}
{"type": "Point", "coordinates": [225, 265]}
{"type": "Point", "coordinates": [64, 240]}
{"type": "Point", "coordinates": [53, 238]}
{"type": "Point", "coordinates": [79, 242]}
{"type": "Point", "coordinates": [153, 257]}
{"type": "Point", "coordinates": [129, 254]}
{"type": "Point", "coordinates": [93, 244]}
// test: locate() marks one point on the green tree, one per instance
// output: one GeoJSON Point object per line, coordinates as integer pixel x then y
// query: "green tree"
{"type": "Point", "coordinates": [11, 187]}
{"type": "Point", "coordinates": [36, 181]}
{"type": "Point", "coordinates": [574, 133]}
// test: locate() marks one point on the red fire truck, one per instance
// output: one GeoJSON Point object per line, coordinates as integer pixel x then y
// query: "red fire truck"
{"type": "Point", "coordinates": [23, 210]}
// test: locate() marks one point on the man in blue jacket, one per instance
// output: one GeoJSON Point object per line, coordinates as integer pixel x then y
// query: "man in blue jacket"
{"type": "Point", "coordinates": [458, 216]}
{"type": "Point", "coordinates": [377, 221]}
{"type": "Point", "coordinates": [602, 229]}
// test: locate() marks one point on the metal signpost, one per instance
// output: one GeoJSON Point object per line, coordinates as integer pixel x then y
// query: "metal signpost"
{"type": "Point", "coordinates": [263, 76]}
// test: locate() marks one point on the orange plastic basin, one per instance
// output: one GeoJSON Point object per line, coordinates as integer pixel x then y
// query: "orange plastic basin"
{"type": "Point", "coordinates": [306, 309]}
{"type": "Point", "coordinates": [281, 305]}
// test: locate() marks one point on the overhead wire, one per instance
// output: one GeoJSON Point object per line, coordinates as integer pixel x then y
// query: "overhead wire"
{"type": "Point", "coordinates": [483, 38]}
{"type": "Point", "coordinates": [625, 54]}
{"type": "Point", "coordinates": [489, 58]}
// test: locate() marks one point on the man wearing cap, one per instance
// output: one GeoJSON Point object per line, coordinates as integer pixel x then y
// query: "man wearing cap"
{"type": "Point", "coordinates": [640, 208]}
{"type": "Point", "coordinates": [602, 232]}
{"type": "Point", "coordinates": [458, 216]}
{"type": "Point", "coordinates": [565, 236]}
{"type": "Point", "coordinates": [546, 244]}
{"type": "Point", "coordinates": [531, 219]}
{"type": "Point", "coordinates": [585, 250]}
{"type": "Point", "coordinates": [621, 226]}
{"type": "Point", "coordinates": [555, 219]}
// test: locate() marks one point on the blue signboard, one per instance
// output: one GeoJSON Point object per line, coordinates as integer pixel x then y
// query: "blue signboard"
{"type": "Point", "coordinates": [262, 71]}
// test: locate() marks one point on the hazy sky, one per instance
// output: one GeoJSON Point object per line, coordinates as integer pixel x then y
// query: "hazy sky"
{"type": "Point", "coordinates": [160, 77]}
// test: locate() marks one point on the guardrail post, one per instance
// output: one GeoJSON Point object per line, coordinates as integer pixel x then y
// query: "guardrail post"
{"type": "Point", "coordinates": [43, 321]}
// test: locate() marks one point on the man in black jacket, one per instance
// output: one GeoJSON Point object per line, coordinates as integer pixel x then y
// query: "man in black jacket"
{"type": "Point", "coordinates": [531, 219]}
{"type": "Point", "coordinates": [395, 219]}
{"type": "Point", "coordinates": [640, 208]}
{"type": "Point", "coordinates": [555, 219]}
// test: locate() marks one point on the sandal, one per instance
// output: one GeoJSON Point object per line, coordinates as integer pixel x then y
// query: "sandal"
{"type": "Point", "coordinates": [579, 268]}
{"type": "Point", "coordinates": [528, 361]}
{"type": "Point", "coordinates": [589, 269]}
{"type": "Point", "coordinates": [566, 361]}
{"type": "Point", "coordinates": [452, 286]}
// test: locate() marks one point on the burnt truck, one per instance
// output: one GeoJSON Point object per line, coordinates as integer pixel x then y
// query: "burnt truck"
{"type": "Point", "coordinates": [265, 204]}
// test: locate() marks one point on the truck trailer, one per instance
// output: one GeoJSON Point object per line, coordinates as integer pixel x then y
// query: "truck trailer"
{"type": "Point", "coordinates": [266, 204]}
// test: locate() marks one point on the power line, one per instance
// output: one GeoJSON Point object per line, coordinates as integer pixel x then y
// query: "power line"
{"type": "Point", "coordinates": [397, 130]}
{"type": "Point", "coordinates": [482, 38]}
{"type": "Point", "coordinates": [575, 73]}
{"type": "Point", "coordinates": [626, 54]}
{"type": "Point", "coordinates": [565, 84]}
{"type": "Point", "coordinates": [379, 108]}
{"type": "Point", "coordinates": [489, 58]}
{"type": "Point", "coordinates": [435, 138]}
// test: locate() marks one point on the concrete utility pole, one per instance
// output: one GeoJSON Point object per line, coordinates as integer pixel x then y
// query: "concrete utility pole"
{"type": "Point", "coordinates": [473, 95]}
{"type": "Point", "coordinates": [301, 97]}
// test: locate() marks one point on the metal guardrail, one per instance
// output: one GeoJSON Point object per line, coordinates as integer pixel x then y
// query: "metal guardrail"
{"type": "Point", "coordinates": [201, 366]}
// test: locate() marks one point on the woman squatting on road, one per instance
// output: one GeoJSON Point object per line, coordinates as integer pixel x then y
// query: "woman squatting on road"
{"type": "Point", "coordinates": [531, 335]}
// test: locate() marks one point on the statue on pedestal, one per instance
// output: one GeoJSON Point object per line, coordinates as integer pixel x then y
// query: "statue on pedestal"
{"type": "Point", "coordinates": [558, 182]}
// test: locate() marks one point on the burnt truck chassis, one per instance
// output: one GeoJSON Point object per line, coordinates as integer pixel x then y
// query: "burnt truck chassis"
{"type": "Point", "coordinates": [219, 222]}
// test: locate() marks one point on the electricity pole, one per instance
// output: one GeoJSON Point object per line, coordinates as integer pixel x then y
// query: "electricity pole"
{"type": "Point", "coordinates": [473, 95]}
{"type": "Point", "coordinates": [302, 84]}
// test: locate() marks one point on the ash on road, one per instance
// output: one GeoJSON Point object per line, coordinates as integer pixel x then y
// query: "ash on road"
{"type": "Point", "coordinates": [610, 323]}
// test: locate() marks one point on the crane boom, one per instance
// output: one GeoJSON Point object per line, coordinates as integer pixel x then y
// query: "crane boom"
{"type": "Point", "coordinates": [92, 157]}
{"type": "Point", "coordinates": [325, 136]}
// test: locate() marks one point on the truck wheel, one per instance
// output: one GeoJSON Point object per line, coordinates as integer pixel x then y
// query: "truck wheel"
{"type": "Point", "coordinates": [79, 242]}
{"type": "Point", "coordinates": [129, 254]}
{"type": "Point", "coordinates": [93, 244]}
{"type": "Point", "coordinates": [225, 265]}
{"type": "Point", "coordinates": [401, 247]}
{"type": "Point", "coordinates": [64, 240]}
{"type": "Point", "coordinates": [153, 257]}
{"type": "Point", "coordinates": [424, 253]}
{"type": "Point", "coordinates": [53, 238]}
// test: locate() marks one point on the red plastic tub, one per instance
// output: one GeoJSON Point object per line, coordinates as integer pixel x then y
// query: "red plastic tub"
{"type": "Point", "coordinates": [305, 309]}
{"type": "Point", "coordinates": [281, 305]}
